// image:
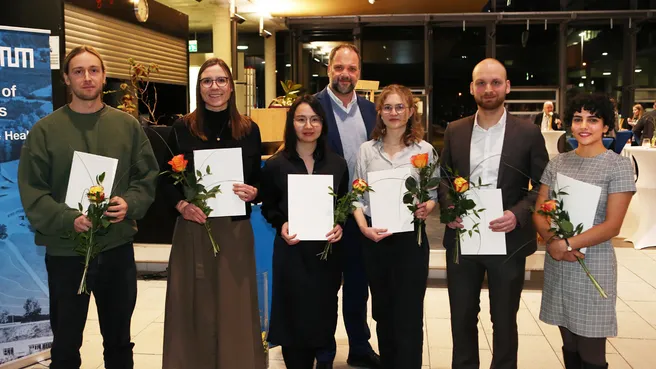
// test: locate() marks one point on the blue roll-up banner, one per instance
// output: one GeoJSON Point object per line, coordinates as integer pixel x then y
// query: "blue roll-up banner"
{"type": "Point", "coordinates": [25, 97]}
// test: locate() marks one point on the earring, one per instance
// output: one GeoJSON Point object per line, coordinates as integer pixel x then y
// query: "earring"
{"type": "Point", "coordinates": [384, 130]}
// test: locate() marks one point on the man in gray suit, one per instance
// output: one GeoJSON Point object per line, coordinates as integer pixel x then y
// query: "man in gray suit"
{"type": "Point", "coordinates": [505, 152]}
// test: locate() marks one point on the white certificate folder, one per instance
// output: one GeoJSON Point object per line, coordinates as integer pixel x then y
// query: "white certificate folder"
{"type": "Point", "coordinates": [85, 168]}
{"type": "Point", "coordinates": [580, 202]}
{"type": "Point", "coordinates": [487, 242]}
{"type": "Point", "coordinates": [310, 206]}
{"type": "Point", "coordinates": [227, 168]}
{"type": "Point", "coordinates": [386, 202]}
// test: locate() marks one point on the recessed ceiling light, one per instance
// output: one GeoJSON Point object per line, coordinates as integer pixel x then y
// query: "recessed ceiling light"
{"type": "Point", "coordinates": [604, 53]}
{"type": "Point", "coordinates": [315, 75]}
{"type": "Point", "coordinates": [288, 65]}
{"type": "Point", "coordinates": [638, 70]}
{"type": "Point", "coordinates": [242, 47]}
{"type": "Point", "coordinates": [606, 73]}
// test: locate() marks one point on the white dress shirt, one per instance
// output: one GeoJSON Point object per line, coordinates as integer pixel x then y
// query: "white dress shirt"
{"type": "Point", "coordinates": [373, 158]}
{"type": "Point", "coordinates": [485, 152]}
{"type": "Point", "coordinates": [351, 128]}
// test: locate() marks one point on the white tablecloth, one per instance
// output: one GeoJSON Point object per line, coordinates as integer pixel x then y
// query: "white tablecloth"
{"type": "Point", "coordinates": [639, 224]}
{"type": "Point", "coordinates": [551, 141]}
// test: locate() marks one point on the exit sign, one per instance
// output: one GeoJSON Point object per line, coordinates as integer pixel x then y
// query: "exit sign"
{"type": "Point", "coordinates": [193, 46]}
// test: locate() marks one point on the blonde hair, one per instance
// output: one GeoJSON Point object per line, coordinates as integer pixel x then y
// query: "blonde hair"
{"type": "Point", "coordinates": [414, 131]}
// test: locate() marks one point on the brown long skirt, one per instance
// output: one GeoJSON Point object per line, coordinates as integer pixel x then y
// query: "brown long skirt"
{"type": "Point", "coordinates": [212, 317]}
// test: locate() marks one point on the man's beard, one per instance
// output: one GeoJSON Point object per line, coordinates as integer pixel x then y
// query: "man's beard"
{"type": "Point", "coordinates": [490, 105]}
{"type": "Point", "coordinates": [336, 87]}
{"type": "Point", "coordinates": [87, 96]}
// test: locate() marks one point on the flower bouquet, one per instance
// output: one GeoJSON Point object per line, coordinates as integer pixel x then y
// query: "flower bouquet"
{"type": "Point", "coordinates": [562, 228]}
{"type": "Point", "coordinates": [195, 193]}
{"type": "Point", "coordinates": [344, 208]}
{"type": "Point", "coordinates": [461, 206]}
{"type": "Point", "coordinates": [418, 191]}
{"type": "Point", "coordinates": [87, 245]}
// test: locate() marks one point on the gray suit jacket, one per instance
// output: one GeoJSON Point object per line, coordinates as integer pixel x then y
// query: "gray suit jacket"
{"type": "Point", "coordinates": [523, 159]}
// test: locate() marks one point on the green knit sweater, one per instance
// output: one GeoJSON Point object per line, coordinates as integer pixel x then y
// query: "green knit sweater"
{"type": "Point", "coordinates": [45, 165]}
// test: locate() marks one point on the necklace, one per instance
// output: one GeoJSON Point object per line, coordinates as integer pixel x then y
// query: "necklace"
{"type": "Point", "coordinates": [218, 137]}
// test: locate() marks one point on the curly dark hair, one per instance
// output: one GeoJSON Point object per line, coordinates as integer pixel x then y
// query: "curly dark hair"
{"type": "Point", "coordinates": [599, 105]}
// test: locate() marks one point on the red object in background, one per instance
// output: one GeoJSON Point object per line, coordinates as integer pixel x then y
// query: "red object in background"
{"type": "Point", "coordinates": [99, 3]}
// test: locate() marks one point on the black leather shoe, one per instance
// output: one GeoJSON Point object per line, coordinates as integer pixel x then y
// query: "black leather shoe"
{"type": "Point", "coordinates": [324, 365]}
{"type": "Point", "coordinates": [371, 360]}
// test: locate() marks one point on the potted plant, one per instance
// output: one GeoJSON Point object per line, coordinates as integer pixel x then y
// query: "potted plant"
{"type": "Point", "coordinates": [291, 93]}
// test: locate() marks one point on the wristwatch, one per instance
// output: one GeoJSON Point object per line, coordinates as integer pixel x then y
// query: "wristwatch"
{"type": "Point", "coordinates": [569, 248]}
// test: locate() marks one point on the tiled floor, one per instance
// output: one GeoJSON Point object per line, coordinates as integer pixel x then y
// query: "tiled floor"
{"type": "Point", "coordinates": [539, 344]}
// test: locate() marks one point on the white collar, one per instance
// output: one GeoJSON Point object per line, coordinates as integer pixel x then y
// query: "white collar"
{"type": "Point", "coordinates": [339, 103]}
{"type": "Point", "coordinates": [501, 124]}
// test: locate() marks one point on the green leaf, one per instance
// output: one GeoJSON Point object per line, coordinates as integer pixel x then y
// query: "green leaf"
{"type": "Point", "coordinates": [468, 204]}
{"type": "Point", "coordinates": [433, 182]}
{"type": "Point", "coordinates": [566, 226]}
{"type": "Point", "coordinates": [411, 184]}
{"type": "Point", "coordinates": [102, 178]}
{"type": "Point", "coordinates": [199, 174]}
{"type": "Point", "coordinates": [79, 207]}
{"type": "Point", "coordinates": [408, 198]}
{"type": "Point", "coordinates": [207, 169]}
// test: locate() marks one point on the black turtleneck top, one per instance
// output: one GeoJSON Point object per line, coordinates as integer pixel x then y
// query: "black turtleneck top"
{"type": "Point", "coordinates": [217, 125]}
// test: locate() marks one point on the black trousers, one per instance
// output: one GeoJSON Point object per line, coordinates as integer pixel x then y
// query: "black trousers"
{"type": "Point", "coordinates": [505, 282]}
{"type": "Point", "coordinates": [298, 358]}
{"type": "Point", "coordinates": [112, 278]}
{"type": "Point", "coordinates": [355, 293]}
{"type": "Point", "coordinates": [397, 270]}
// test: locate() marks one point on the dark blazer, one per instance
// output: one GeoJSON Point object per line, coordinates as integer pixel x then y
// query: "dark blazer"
{"type": "Point", "coordinates": [523, 157]}
{"type": "Point", "coordinates": [367, 109]}
{"type": "Point", "coordinates": [645, 126]}
{"type": "Point", "coordinates": [554, 126]}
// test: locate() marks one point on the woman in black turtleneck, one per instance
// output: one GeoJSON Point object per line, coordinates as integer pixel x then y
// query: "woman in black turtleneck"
{"type": "Point", "coordinates": [304, 301]}
{"type": "Point", "coordinates": [212, 317]}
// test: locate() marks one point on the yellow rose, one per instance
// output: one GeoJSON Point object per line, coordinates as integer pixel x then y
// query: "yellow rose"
{"type": "Point", "coordinates": [96, 194]}
{"type": "Point", "coordinates": [360, 185]}
{"type": "Point", "coordinates": [460, 184]}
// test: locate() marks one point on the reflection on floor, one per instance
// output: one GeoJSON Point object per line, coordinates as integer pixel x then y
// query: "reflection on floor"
{"type": "Point", "coordinates": [635, 346]}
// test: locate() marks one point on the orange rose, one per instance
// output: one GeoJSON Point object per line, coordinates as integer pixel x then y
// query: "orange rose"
{"type": "Point", "coordinates": [178, 163]}
{"type": "Point", "coordinates": [420, 160]}
{"type": "Point", "coordinates": [549, 206]}
{"type": "Point", "coordinates": [360, 185]}
{"type": "Point", "coordinates": [460, 184]}
{"type": "Point", "coordinates": [96, 194]}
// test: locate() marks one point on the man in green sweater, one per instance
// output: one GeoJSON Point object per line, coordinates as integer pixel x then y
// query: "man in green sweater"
{"type": "Point", "coordinates": [87, 125]}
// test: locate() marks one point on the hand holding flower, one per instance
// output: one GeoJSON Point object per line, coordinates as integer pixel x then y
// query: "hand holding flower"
{"type": "Point", "coordinates": [82, 224]}
{"type": "Point", "coordinates": [192, 212]}
{"type": "Point", "coordinates": [558, 250]}
{"type": "Point", "coordinates": [335, 234]}
{"type": "Point", "coordinates": [424, 209]}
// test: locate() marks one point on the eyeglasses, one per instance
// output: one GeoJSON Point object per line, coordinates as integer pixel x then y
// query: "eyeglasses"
{"type": "Point", "coordinates": [208, 82]}
{"type": "Point", "coordinates": [387, 109]}
{"type": "Point", "coordinates": [302, 120]}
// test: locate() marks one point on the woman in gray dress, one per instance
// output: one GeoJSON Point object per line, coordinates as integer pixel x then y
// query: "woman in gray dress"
{"type": "Point", "coordinates": [569, 299]}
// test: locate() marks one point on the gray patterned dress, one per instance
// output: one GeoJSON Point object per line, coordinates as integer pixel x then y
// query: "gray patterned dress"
{"type": "Point", "coordinates": [569, 299]}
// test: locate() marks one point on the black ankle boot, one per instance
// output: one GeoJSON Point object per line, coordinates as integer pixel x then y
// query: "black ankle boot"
{"type": "Point", "coordinates": [572, 359]}
{"type": "Point", "coordinates": [593, 366]}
